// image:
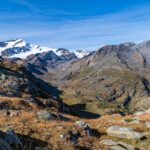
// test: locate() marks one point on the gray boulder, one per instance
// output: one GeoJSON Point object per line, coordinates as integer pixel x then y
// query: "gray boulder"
{"type": "Point", "coordinates": [112, 145]}
{"type": "Point", "coordinates": [44, 115]}
{"type": "Point", "coordinates": [123, 132]}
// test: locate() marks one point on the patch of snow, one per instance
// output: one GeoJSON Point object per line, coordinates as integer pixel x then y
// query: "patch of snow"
{"type": "Point", "coordinates": [81, 53]}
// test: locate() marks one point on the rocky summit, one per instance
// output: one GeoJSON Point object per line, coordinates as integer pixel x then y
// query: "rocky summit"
{"type": "Point", "coordinates": [55, 99]}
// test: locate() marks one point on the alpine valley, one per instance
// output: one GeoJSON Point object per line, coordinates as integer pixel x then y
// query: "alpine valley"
{"type": "Point", "coordinates": [58, 99]}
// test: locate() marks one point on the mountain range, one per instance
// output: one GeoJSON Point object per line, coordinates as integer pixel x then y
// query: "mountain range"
{"type": "Point", "coordinates": [21, 49]}
{"type": "Point", "coordinates": [58, 99]}
{"type": "Point", "coordinates": [114, 76]}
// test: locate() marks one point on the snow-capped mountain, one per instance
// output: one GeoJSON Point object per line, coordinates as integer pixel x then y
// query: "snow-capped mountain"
{"type": "Point", "coordinates": [81, 53]}
{"type": "Point", "coordinates": [62, 52]}
{"type": "Point", "coordinates": [21, 49]}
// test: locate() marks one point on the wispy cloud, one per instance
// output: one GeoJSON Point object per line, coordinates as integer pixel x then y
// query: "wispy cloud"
{"type": "Point", "coordinates": [127, 25]}
{"type": "Point", "coordinates": [25, 3]}
{"type": "Point", "coordinates": [45, 11]}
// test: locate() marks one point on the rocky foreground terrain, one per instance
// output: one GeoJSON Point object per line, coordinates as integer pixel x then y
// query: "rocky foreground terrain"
{"type": "Point", "coordinates": [61, 102]}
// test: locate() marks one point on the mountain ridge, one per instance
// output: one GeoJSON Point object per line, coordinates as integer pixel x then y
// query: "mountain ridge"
{"type": "Point", "coordinates": [116, 75]}
{"type": "Point", "coordinates": [114, 78]}
{"type": "Point", "coordinates": [21, 49]}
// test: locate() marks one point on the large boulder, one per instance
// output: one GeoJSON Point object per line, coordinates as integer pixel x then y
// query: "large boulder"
{"type": "Point", "coordinates": [44, 115]}
{"type": "Point", "coordinates": [112, 145]}
{"type": "Point", "coordinates": [123, 132]}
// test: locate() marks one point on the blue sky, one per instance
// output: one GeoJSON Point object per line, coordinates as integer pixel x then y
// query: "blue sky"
{"type": "Point", "coordinates": [75, 24]}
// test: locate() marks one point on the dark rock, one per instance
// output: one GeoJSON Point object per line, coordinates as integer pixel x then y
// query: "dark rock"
{"type": "Point", "coordinates": [4, 145]}
{"type": "Point", "coordinates": [12, 138]}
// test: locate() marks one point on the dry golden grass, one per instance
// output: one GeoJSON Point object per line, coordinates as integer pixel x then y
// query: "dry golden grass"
{"type": "Point", "coordinates": [27, 123]}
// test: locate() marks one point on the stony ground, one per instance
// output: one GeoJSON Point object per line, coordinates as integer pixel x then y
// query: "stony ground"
{"type": "Point", "coordinates": [40, 128]}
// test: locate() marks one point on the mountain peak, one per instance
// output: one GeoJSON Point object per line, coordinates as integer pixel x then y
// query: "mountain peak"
{"type": "Point", "coordinates": [129, 44]}
{"type": "Point", "coordinates": [144, 44]}
{"type": "Point", "coordinates": [16, 43]}
{"type": "Point", "coordinates": [81, 53]}
{"type": "Point", "coordinates": [21, 49]}
{"type": "Point", "coordinates": [62, 51]}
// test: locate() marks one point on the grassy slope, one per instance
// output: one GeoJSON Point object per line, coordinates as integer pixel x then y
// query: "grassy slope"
{"type": "Point", "coordinates": [104, 90]}
{"type": "Point", "coordinates": [37, 132]}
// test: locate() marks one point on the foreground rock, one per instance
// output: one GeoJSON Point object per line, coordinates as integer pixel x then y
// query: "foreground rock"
{"type": "Point", "coordinates": [44, 115]}
{"type": "Point", "coordinates": [79, 132]}
{"type": "Point", "coordinates": [112, 145]}
{"type": "Point", "coordinates": [10, 141]}
{"type": "Point", "coordinates": [12, 138]}
{"type": "Point", "coordinates": [84, 126]}
{"type": "Point", "coordinates": [4, 145]}
{"type": "Point", "coordinates": [123, 132]}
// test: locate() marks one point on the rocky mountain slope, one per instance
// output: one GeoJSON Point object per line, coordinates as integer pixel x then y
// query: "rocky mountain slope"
{"type": "Point", "coordinates": [144, 48]}
{"type": "Point", "coordinates": [102, 92]}
{"type": "Point", "coordinates": [125, 56]}
{"type": "Point", "coordinates": [113, 79]}
{"type": "Point", "coordinates": [42, 62]}
{"type": "Point", "coordinates": [17, 82]}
